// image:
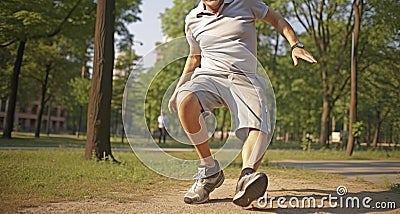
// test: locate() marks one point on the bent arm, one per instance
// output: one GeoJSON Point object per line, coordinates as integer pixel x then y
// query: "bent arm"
{"type": "Point", "coordinates": [283, 27]}
{"type": "Point", "coordinates": [192, 62]}
{"type": "Point", "coordinates": [286, 30]}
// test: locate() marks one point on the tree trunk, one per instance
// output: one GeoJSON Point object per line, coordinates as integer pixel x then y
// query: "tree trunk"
{"type": "Point", "coordinates": [42, 102]}
{"type": "Point", "coordinates": [122, 134]}
{"type": "Point", "coordinates": [375, 141]}
{"type": "Point", "coordinates": [99, 109]}
{"type": "Point", "coordinates": [48, 127]}
{"type": "Point", "coordinates": [12, 96]}
{"type": "Point", "coordinates": [377, 131]}
{"type": "Point", "coordinates": [325, 121]}
{"type": "Point", "coordinates": [357, 6]}
{"type": "Point", "coordinates": [368, 132]}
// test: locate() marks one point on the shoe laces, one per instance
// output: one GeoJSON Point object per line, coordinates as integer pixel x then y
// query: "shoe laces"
{"type": "Point", "coordinates": [199, 174]}
{"type": "Point", "coordinates": [198, 177]}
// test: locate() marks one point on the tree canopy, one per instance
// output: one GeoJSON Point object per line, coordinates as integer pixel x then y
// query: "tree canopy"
{"type": "Point", "coordinates": [315, 99]}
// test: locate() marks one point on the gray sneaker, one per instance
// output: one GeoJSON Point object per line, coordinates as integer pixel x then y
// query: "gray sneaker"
{"type": "Point", "coordinates": [249, 188]}
{"type": "Point", "coordinates": [206, 180]}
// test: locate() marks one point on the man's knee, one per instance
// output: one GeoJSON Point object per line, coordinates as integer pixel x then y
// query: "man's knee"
{"type": "Point", "coordinates": [187, 101]}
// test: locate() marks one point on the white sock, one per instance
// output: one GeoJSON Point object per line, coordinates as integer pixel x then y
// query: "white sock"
{"type": "Point", "coordinates": [208, 162]}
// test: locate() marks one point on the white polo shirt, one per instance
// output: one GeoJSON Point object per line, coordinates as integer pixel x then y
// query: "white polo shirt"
{"type": "Point", "coordinates": [228, 39]}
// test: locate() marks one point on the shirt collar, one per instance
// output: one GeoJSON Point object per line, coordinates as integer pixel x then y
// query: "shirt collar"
{"type": "Point", "coordinates": [200, 8]}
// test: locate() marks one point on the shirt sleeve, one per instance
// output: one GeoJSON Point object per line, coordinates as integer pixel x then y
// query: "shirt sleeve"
{"type": "Point", "coordinates": [258, 8]}
{"type": "Point", "coordinates": [189, 36]}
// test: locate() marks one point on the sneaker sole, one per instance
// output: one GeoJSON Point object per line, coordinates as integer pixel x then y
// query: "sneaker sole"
{"type": "Point", "coordinates": [252, 191]}
{"type": "Point", "coordinates": [191, 201]}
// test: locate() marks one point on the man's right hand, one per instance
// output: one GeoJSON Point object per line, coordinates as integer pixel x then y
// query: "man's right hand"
{"type": "Point", "coordinates": [172, 103]}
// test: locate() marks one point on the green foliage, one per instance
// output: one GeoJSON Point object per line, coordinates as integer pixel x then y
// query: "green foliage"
{"type": "Point", "coordinates": [59, 35]}
{"type": "Point", "coordinates": [395, 188]}
{"type": "Point", "coordinates": [5, 62]}
{"type": "Point", "coordinates": [163, 79]}
{"type": "Point", "coordinates": [36, 19]}
{"type": "Point", "coordinates": [126, 12]}
{"type": "Point", "coordinates": [379, 80]}
{"type": "Point", "coordinates": [80, 88]}
{"type": "Point", "coordinates": [357, 129]}
{"type": "Point", "coordinates": [42, 56]}
{"type": "Point", "coordinates": [325, 28]}
{"type": "Point", "coordinates": [124, 66]}
{"type": "Point", "coordinates": [306, 144]}
{"type": "Point", "coordinates": [53, 44]}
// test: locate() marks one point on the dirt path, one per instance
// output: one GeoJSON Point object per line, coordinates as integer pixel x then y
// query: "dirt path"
{"type": "Point", "coordinates": [221, 200]}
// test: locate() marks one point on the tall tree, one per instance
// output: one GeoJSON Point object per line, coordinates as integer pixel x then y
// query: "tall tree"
{"type": "Point", "coordinates": [99, 110]}
{"type": "Point", "coordinates": [358, 8]}
{"type": "Point", "coordinates": [329, 23]}
{"type": "Point", "coordinates": [26, 20]}
{"type": "Point", "coordinates": [378, 77]}
{"type": "Point", "coordinates": [12, 96]}
{"type": "Point", "coordinates": [48, 66]}
{"type": "Point", "coordinates": [111, 17]}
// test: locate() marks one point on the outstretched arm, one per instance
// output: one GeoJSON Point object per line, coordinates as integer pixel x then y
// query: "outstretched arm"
{"type": "Point", "coordinates": [284, 28]}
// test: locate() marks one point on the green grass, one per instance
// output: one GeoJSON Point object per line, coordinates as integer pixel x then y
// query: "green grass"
{"type": "Point", "coordinates": [28, 139]}
{"type": "Point", "coordinates": [276, 151]}
{"type": "Point", "coordinates": [21, 139]}
{"type": "Point", "coordinates": [30, 178]}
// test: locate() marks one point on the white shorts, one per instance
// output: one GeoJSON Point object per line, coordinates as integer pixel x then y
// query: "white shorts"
{"type": "Point", "coordinates": [244, 96]}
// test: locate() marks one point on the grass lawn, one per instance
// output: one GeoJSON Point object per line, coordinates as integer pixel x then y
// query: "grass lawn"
{"type": "Point", "coordinates": [276, 151]}
{"type": "Point", "coordinates": [30, 178]}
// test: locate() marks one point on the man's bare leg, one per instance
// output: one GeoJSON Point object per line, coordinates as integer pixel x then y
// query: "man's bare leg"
{"type": "Point", "coordinates": [189, 111]}
{"type": "Point", "coordinates": [209, 175]}
{"type": "Point", "coordinates": [254, 148]}
{"type": "Point", "coordinates": [251, 184]}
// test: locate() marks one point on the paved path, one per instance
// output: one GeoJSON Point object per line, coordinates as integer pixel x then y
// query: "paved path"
{"type": "Point", "coordinates": [376, 171]}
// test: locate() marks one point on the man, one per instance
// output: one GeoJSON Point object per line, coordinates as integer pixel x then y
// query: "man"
{"type": "Point", "coordinates": [221, 70]}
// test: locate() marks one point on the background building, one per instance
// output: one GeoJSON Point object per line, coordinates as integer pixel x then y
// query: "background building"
{"type": "Point", "coordinates": [26, 118]}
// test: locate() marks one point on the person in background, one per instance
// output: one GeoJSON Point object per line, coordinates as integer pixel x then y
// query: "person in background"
{"type": "Point", "coordinates": [162, 122]}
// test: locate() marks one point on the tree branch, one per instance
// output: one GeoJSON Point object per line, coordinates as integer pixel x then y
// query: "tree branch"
{"type": "Point", "coordinates": [62, 23]}
{"type": "Point", "coordinates": [341, 89]}
{"type": "Point", "coordinates": [8, 44]}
